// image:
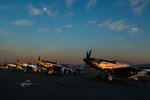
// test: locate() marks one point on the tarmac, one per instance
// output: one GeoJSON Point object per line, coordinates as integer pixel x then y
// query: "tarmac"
{"type": "Point", "coordinates": [85, 86]}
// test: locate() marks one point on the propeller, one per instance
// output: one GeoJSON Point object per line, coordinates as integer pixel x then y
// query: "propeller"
{"type": "Point", "coordinates": [38, 60]}
{"type": "Point", "coordinates": [88, 54]}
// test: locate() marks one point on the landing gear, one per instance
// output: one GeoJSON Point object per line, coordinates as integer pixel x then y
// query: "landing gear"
{"type": "Point", "coordinates": [106, 75]}
{"type": "Point", "coordinates": [100, 76]}
{"type": "Point", "coordinates": [12, 69]}
{"type": "Point", "coordinates": [27, 69]}
{"type": "Point", "coordinates": [50, 71]}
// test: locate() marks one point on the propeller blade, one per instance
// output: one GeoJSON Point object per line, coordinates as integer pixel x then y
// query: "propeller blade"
{"type": "Point", "coordinates": [89, 54]}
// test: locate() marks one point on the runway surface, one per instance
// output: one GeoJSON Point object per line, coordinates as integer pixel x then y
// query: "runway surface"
{"type": "Point", "coordinates": [39, 86]}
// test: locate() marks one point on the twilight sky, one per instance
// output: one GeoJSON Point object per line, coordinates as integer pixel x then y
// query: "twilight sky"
{"type": "Point", "coordinates": [63, 30]}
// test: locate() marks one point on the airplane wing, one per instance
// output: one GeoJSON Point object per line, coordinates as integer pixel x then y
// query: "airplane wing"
{"type": "Point", "coordinates": [126, 72]}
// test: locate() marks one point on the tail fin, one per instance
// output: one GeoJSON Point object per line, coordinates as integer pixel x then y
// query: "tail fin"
{"type": "Point", "coordinates": [18, 60]}
{"type": "Point", "coordinates": [5, 64]}
{"type": "Point", "coordinates": [39, 58]}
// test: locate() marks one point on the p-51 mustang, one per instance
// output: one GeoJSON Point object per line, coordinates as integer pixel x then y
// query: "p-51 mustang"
{"type": "Point", "coordinates": [110, 70]}
{"type": "Point", "coordinates": [9, 66]}
{"type": "Point", "coordinates": [48, 66]}
{"type": "Point", "coordinates": [26, 67]}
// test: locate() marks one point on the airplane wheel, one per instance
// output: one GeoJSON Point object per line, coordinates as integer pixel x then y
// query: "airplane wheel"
{"type": "Point", "coordinates": [10, 69]}
{"type": "Point", "coordinates": [49, 72]}
{"type": "Point", "coordinates": [25, 70]}
{"type": "Point", "coordinates": [28, 68]}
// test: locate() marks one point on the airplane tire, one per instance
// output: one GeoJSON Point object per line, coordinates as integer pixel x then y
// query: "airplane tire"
{"type": "Point", "coordinates": [10, 69]}
{"type": "Point", "coordinates": [25, 70]}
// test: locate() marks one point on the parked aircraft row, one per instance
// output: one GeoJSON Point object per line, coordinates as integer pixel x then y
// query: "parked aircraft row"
{"type": "Point", "coordinates": [48, 67]}
{"type": "Point", "coordinates": [108, 70]}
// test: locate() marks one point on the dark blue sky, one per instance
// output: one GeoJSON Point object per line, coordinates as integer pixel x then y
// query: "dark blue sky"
{"type": "Point", "coordinates": [63, 30]}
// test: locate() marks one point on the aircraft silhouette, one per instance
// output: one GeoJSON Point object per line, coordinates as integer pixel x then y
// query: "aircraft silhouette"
{"type": "Point", "coordinates": [111, 70]}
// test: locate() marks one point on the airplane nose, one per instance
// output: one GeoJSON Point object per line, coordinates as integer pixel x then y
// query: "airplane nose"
{"type": "Point", "coordinates": [84, 59]}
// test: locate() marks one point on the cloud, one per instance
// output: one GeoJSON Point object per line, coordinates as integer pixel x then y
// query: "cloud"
{"type": "Point", "coordinates": [91, 3]}
{"type": "Point", "coordinates": [69, 14]}
{"type": "Point", "coordinates": [23, 22]}
{"type": "Point", "coordinates": [33, 10]}
{"type": "Point", "coordinates": [115, 26]}
{"type": "Point", "coordinates": [119, 26]}
{"type": "Point", "coordinates": [69, 3]}
{"type": "Point", "coordinates": [43, 29]}
{"type": "Point", "coordinates": [50, 13]}
{"type": "Point", "coordinates": [133, 2]}
{"type": "Point", "coordinates": [138, 6]}
{"type": "Point", "coordinates": [68, 26]}
{"type": "Point", "coordinates": [134, 30]}
{"type": "Point", "coordinates": [63, 28]}
{"type": "Point", "coordinates": [59, 30]}
{"type": "Point", "coordinates": [119, 38]}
